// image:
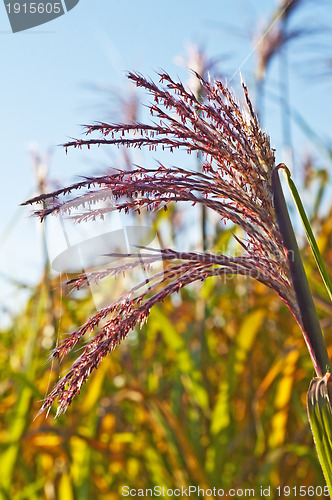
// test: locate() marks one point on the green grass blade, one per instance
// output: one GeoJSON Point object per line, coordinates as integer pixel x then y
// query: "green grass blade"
{"type": "Point", "coordinates": [310, 324]}
{"type": "Point", "coordinates": [308, 230]}
{"type": "Point", "coordinates": [320, 417]}
{"type": "Point", "coordinates": [191, 376]}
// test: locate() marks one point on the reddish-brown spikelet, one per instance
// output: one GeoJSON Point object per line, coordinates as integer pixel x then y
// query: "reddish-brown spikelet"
{"type": "Point", "coordinates": [235, 182]}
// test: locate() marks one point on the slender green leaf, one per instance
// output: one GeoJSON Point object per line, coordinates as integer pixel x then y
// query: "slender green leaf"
{"type": "Point", "coordinates": [320, 417]}
{"type": "Point", "coordinates": [191, 377]}
{"type": "Point", "coordinates": [309, 233]}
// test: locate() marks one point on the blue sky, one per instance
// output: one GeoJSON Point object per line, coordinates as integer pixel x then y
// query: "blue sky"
{"type": "Point", "coordinates": [49, 74]}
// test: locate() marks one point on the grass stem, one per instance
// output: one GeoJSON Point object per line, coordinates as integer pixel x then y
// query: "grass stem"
{"type": "Point", "coordinates": [310, 324]}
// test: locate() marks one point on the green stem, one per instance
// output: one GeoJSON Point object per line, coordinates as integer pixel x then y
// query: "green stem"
{"type": "Point", "coordinates": [310, 324]}
{"type": "Point", "coordinates": [319, 412]}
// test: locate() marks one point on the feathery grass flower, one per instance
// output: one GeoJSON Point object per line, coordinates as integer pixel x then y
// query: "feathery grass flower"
{"type": "Point", "coordinates": [235, 181]}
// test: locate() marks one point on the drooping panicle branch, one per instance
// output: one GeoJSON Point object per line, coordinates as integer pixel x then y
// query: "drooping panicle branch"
{"type": "Point", "coordinates": [235, 182]}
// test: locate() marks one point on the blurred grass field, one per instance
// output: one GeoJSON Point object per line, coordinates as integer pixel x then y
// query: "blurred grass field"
{"type": "Point", "coordinates": [210, 392]}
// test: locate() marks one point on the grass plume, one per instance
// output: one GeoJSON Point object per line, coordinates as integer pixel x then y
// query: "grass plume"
{"type": "Point", "coordinates": [235, 181]}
